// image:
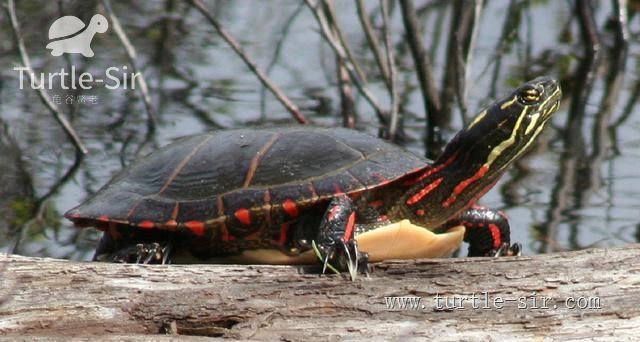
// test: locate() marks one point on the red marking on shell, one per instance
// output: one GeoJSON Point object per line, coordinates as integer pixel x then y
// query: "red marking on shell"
{"type": "Point", "coordinates": [313, 191]}
{"type": "Point", "coordinates": [495, 234]}
{"type": "Point", "coordinates": [243, 215]}
{"type": "Point", "coordinates": [291, 208]}
{"type": "Point", "coordinates": [196, 227]}
{"type": "Point", "coordinates": [424, 191]}
{"type": "Point", "coordinates": [284, 232]}
{"type": "Point", "coordinates": [430, 170]}
{"type": "Point", "coordinates": [267, 205]}
{"type": "Point", "coordinates": [376, 204]}
{"type": "Point", "coordinates": [420, 212]}
{"type": "Point", "coordinates": [463, 185]}
{"type": "Point", "coordinates": [224, 232]}
{"type": "Point", "coordinates": [337, 189]}
{"type": "Point", "coordinates": [146, 224]}
{"type": "Point", "coordinates": [348, 232]}
{"type": "Point", "coordinates": [383, 218]}
{"type": "Point", "coordinates": [104, 218]}
{"type": "Point", "coordinates": [171, 225]}
{"type": "Point", "coordinates": [174, 213]}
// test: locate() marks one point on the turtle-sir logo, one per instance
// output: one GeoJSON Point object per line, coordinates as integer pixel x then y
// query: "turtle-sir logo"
{"type": "Point", "coordinates": [69, 34]}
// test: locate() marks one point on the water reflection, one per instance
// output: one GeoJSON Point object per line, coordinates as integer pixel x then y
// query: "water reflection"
{"type": "Point", "coordinates": [577, 188]}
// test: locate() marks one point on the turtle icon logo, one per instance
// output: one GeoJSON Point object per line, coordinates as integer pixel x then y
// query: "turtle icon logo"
{"type": "Point", "coordinates": [69, 34]}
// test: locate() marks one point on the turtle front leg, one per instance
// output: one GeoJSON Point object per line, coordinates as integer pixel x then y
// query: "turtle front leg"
{"type": "Point", "coordinates": [487, 232]}
{"type": "Point", "coordinates": [335, 245]}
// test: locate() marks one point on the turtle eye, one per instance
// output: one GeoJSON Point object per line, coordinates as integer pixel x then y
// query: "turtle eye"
{"type": "Point", "coordinates": [530, 95]}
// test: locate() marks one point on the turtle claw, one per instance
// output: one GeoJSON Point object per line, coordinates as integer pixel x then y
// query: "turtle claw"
{"type": "Point", "coordinates": [141, 253]}
{"type": "Point", "coordinates": [342, 255]}
{"type": "Point", "coordinates": [506, 250]}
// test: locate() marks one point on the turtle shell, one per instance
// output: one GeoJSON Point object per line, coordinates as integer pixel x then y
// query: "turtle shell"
{"type": "Point", "coordinates": [65, 26]}
{"type": "Point", "coordinates": [244, 176]}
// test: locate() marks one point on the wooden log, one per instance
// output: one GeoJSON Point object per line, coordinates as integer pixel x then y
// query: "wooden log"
{"type": "Point", "coordinates": [590, 294]}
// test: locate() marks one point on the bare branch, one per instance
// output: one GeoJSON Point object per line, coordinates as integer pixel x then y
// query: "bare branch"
{"type": "Point", "coordinates": [347, 103]}
{"type": "Point", "coordinates": [276, 53]}
{"type": "Point", "coordinates": [131, 55]}
{"type": "Point", "coordinates": [339, 50]}
{"type": "Point", "coordinates": [277, 92]}
{"type": "Point", "coordinates": [465, 40]}
{"type": "Point", "coordinates": [423, 67]}
{"type": "Point", "coordinates": [393, 89]}
{"type": "Point", "coordinates": [57, 113]}
{"type": "Point", "coordinates": [374, 45]}
{"type": "Point", "coordinates": [333, 22]}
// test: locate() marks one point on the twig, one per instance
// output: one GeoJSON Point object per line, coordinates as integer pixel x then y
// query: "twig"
{"type": "Point", "coordinates": [621, 20]}
{"type": "Point", "coordinates": [425, 74]}
{"type": "Point", "coordinates": [131, 55]}
{"type": "Point", "coordinates": [38, 204]}
{"type": "Point", "coordinates": [393, 126]}
{"type": "Point", "coordinates": [276, 53]}
{"type": "Point", "coordinates": [374, 45]}
{"type": "Point", "coordinates": [339, 50]}
{"type": "Point", "coordinates": [333, 22]}
{"type": "Point", "coordinates": [588, 27]}
{"type": "Point", "coordinates": [277, 92]}
{"type": "Point", "coordinates": [509, 34]}
{"type": "Point", "coordinates": [465, 40]}
{"type": "Point", "coordinates": [71, 133]}
{"type": "Point", "coordinates": [347, 103]}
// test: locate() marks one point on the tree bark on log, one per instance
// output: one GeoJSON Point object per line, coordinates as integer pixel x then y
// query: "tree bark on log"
{"type": "Point", "coordinates": [59, 300]}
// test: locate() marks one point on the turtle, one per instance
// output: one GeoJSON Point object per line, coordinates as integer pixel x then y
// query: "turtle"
{"type": "Point", "coordinates": [333, 197]}
{"type": "Point", "coordinates": [69, 34]}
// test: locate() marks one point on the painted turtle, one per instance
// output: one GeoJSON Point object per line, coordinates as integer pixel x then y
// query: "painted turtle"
{"type": "Point", "coordinates": [302, 194]}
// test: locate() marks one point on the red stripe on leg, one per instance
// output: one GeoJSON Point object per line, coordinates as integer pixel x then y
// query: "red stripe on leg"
{"type": "Point", "coordinates": [495, 234]}
{"type": "Point", "coordinates": [348, 232]}
{"type": "Point", "coordinates": [284, 232]}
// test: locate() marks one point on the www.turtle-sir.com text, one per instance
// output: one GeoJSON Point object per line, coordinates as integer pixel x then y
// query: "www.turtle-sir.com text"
{"type": "Point", "coordinates": [485, 301]}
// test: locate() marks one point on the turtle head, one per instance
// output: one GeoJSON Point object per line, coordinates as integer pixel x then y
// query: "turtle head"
{"type": "Point", "coordinates": [477, 156]}
{"type": "Point", "coordinates": [99, 23]}
{"type": "Point", "coordinates": [503, 131]}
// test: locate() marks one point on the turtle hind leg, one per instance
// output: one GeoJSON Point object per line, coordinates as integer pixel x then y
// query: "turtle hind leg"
{"type": "Point", "coordinates": [141, 253]}
{"type": "Point", "coordinates": [335, 245]}
{"type": "Point", "coordinates": [487, 232]}
{"type": "Point", "coordinates": [122, 245]}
